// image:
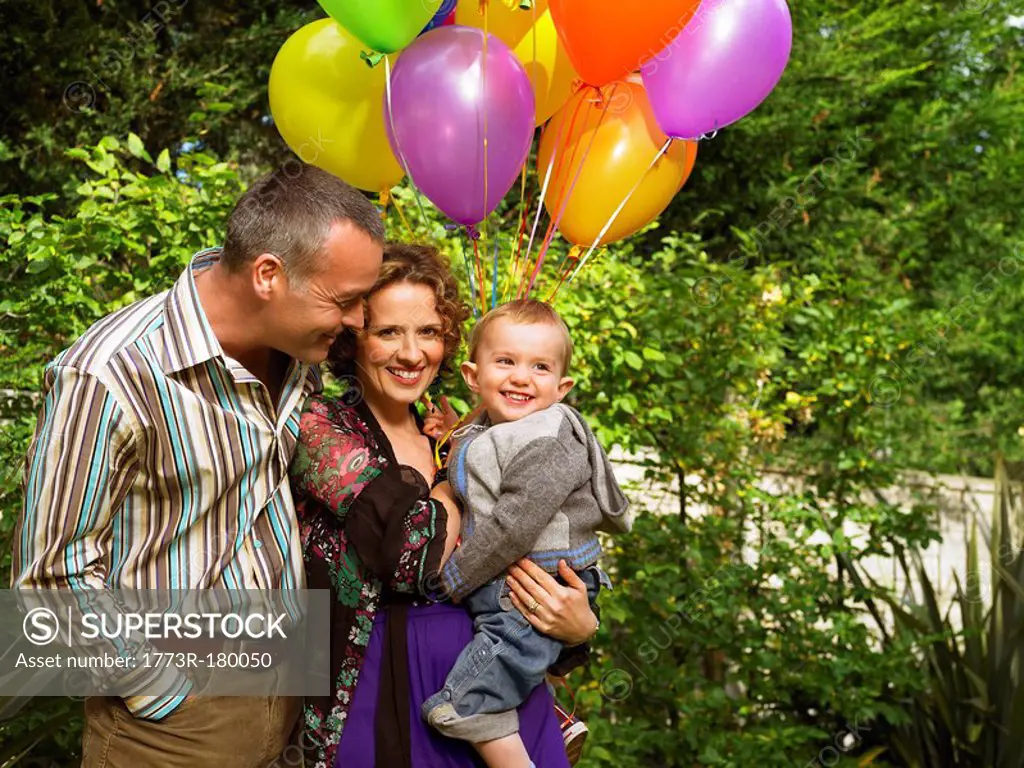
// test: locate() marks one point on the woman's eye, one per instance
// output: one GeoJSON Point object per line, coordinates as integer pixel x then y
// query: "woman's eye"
{"type": "Point", "coordinates": [386, 333]}
{"type": "Point", "coordinates": [431, 332]}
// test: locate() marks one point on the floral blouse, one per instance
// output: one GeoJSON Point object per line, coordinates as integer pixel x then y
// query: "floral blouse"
{"type": "Point", "coordinates": [352, 494]}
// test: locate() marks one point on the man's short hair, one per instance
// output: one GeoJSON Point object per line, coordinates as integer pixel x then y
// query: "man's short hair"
{"type": "Point", "coordinates": [524, 312]}
{"type": "Point", "coordinates": [289, 213]}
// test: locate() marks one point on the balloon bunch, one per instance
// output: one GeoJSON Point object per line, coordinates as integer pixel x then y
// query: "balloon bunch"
{"type": "Point", "coordinates": [450, 93]}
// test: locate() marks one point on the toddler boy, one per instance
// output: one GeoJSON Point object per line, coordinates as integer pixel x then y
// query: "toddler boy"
{"type": "Point", "coordinates": [533, 481]}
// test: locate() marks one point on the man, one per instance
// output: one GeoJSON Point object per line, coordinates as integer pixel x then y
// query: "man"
{"type": "Point", "coordinates": [161, 452]}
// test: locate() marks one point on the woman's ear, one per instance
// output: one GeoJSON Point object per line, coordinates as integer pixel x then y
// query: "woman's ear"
{"type": "Point", "coordinates": [566, 384]}
{"type": "Point", "coordinates": [469, 376]}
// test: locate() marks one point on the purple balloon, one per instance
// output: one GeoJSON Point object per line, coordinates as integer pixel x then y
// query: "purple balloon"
{"type": "Point", "coordinates": [720, 67]}
{"type": "Point", "coordinates": [440, 97]}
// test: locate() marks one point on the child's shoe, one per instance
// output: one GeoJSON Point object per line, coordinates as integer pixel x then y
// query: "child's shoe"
{"type": "Point", "coordinates": [574, 734]}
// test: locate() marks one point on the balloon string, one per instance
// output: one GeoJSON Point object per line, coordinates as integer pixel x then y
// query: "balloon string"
{"type": "Point", "coordinates": [513, 273]}
{"type": "Point", "coordinates": [540, 210]}
{"type": "Point", "coordinates": [571, 257]}
{"type": "Point", "coordinates": [391, 120]}
{"type": "Point", "coordinates": [625, 200]}
{"type": "Point", "coordinates": [451, 431]}
{"type": "Point", "coordinates": [567, 193]}
{"type": "Point", "coordinates": [469, 274]}
{"type": "Point", "coordinates": [494, 278]}
{"type": "Point", "coordinates": [483, 91]}
{"type": "Point", "coordinates": [479, 267]}
{"type": "Point", "coordinates": [401, 215]}
{"type": "Point", "coordinates": [533, 38]}
{"type": "Point", "coordinates": [556, 154]}
{"type": "Point", "coordinates": [517, 246]}
{"type": "Point", "coordinates": [398, 144]}
{"type": "Point", "coordinates": [554, 167]}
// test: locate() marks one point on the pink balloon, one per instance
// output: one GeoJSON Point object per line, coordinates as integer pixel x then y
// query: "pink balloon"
{"type": "Point", "coordinates": [445, 98]}
{"type": "Point", "coordinates": [722, 65]}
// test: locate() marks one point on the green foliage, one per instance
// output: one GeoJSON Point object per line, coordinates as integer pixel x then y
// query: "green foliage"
{"type": "Point", "coordinates": [170, 71]}
{"type": "Point", "coordinates": [887, 164]}
{"type": "Point", "coordinates": [723, 646]}
{"type": "Point", "coordinates": [132, 227]}
{"type": "Point", "coordinates": [969, 713]}
{"type": "Point", "coordinates": [835, 294]}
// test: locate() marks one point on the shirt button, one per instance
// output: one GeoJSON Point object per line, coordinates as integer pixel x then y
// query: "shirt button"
{"type": "Point", "coordinates": [257, 543]}
{"type": "Point", "coordinates": [446, 695]}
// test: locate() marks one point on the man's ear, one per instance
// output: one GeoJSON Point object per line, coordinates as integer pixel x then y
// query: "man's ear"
{"type": "Point", "coordinates": [566, 384]}
{"type": "Point", "coordinates": [469, 376]}
{"type": "Point", "coordinates": [267, 275]}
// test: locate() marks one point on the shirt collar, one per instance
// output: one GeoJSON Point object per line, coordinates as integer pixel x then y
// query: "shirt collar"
{"type": "Point", "coordinates": [189, 339]}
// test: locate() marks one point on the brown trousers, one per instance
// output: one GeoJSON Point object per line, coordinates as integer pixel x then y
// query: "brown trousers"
{"type": "Point", "coordinates": [203, 732]}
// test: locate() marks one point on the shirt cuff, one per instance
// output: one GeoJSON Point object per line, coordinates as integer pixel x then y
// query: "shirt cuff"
{"type": "Point", "coordinates": [156, 707]}
{"type": "Point", "coordinates": [453, 583]}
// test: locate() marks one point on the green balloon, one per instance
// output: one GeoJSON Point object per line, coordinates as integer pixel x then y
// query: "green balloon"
{"type": "Point", "coordinates": [382, 25]}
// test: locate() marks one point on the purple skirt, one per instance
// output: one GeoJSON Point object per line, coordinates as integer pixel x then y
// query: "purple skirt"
{"type": "Point", "coordinates": [436, 636]}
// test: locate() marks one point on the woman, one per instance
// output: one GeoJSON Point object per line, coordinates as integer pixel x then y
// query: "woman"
{"type": "Point", "coordinates": [375, 530]}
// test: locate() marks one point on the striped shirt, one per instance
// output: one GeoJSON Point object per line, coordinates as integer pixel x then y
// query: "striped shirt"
{"type": "Point", "coordinates": [159, 462]}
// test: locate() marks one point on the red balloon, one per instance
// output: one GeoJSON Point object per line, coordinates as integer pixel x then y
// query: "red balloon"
{"type": "Point", "coordinates": [608, 39]}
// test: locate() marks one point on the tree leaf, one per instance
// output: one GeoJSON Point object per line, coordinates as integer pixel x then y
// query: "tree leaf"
{"type": "Point", "coordinates": [137, 148]}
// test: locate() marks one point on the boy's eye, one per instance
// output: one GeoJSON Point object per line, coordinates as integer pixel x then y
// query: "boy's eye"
{"type": "Point", "coordinates": [504, 361]}
{"type": "Point", "coordinates": [542, 367]}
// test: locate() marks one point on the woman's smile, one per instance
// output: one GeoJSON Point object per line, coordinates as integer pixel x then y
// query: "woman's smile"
{"type": "Point", "coordinates": [408, 377]}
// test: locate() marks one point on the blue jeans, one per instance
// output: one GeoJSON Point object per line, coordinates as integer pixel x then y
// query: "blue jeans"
{"type": "Point", "coordinates": [495, 673]}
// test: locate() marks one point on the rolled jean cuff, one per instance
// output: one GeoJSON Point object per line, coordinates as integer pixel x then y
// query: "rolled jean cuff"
{"type": "Point", "coordinates": [478, 728]}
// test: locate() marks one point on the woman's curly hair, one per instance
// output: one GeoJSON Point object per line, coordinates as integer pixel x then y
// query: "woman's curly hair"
{"type": "Point", "coordinates": [422, 265]}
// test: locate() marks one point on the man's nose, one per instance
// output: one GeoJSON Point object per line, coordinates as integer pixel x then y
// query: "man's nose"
{"type": "Point", "coordinates": [354, 318]}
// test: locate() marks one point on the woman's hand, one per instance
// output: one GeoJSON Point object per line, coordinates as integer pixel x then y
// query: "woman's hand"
{"type": "Point", "coordinates": [561, 612]}
{"type": "Point", "coordinates": [437, 421]}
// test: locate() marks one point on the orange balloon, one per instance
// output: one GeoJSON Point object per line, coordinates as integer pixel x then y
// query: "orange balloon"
{"type": "Point", "coordinates": [608, 39]}
{"type": "Point", "coordinates": [610, 140]}
{"type": "Point", "coordinates": [508, 23]}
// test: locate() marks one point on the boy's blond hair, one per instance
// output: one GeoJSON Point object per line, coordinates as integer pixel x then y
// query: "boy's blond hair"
{"type": "Point", "coordinates": [523, 312]}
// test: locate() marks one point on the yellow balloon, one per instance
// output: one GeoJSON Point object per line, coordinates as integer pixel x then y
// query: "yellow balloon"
{"type": "Point", "coordinates": [328, 106]}
{"type": "Point", "coordinates": [548, 65]}
{"type": "Point", "coordinates": [508, 23]}
{"type": "Point", "coordinates": [614, 137]}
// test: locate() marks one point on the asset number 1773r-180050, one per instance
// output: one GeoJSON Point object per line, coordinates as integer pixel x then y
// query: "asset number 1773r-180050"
{"type": "Point", "coordinates": [222, 660]}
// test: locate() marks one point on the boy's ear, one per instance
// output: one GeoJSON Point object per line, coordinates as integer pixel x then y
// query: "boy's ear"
{"type": "Point", "coordinates": [566, 384]}
{"type": "Point", "coordinates": [469, 376]}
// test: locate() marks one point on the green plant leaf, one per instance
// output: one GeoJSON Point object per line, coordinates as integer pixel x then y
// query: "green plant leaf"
{"type": "Point", "coordinates": [163, 161]}
{"type": "Point", "coordinates": [137, 148]}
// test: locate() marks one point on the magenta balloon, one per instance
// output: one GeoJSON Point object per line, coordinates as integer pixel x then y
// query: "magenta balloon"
{"type": "Point", "coordinates": [443, 94]}
{"type": "Point", "coordinates": [720, 67]}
